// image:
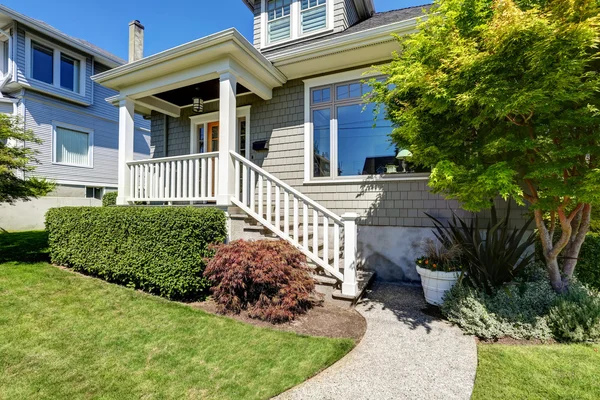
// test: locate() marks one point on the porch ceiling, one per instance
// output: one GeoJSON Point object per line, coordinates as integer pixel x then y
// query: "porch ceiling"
{"type": "Point", "coordinates": [208, 90]}
{"type": "Point", "coordinates": [190, 65]}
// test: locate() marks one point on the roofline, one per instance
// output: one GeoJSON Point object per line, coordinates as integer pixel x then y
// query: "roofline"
{"type": "Point", "coordinates": [335, 44]}
{"type": "Point", "coordinates": [365, 8]}
{"type": "Point", "coordinates": [249, 4]}
{"type": "Point", "coordinates": [230, 34]}
{"type": "Point", "coordinates": [57, 35]}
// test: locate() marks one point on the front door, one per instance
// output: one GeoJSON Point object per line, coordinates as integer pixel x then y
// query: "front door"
{"type": "Point", "coordinates": [212, 137]}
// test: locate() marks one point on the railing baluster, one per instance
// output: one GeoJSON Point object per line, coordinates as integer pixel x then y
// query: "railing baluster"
{"type": "Point", "coordinates": [136, 184]}
{"type": "Point", "coordinates": [155, 182]}
{"type": "Point", "coordinates": [191, 179]}
{"type": "Point", "coordinates": [173, 193]}
{"type": "Point", "coordinates": [147, 181]}
{"type": "Point", "coordinates": [286, 213]}
{"type": "Point", "coordinates": [203, 178]}
{"type": "Point", "coordinates": [296, 222]}
{"type": "Point", "coordinates": [161, 192]}
{"type": "Point", "coordinates": [209, 187]}
{"type": "Point", "coordinates": [245, 185]}
{"type": "Point", "coordinates": [252, 189]}
{"type": "Point", "coordinates": [269, 205]}
{"type": "Point", "coordinates": [326, 239]}
{"type": "Point", "coordinates": [305, 224]}
{"type": "Point", "coordinates": [260, 195]}
{"type": "Point", "coordinates": [216, 176]}
{"type": "Point", "coordinates": [131, 180]}
{"type": "Point", "coordinates": [315, 233]}
{"type": "Point", "coordinates": [237, 179]}
{"type": "Point", "coordinates": [197, 178]}
{"type": "Point", "coordinates": [277, 209]}
{"type": "Point", "coordinates": [179, 173]}
{"type": "Point", "coordinates": [336, 246]}
{"type": "Point", "coordinates": [184, 182]}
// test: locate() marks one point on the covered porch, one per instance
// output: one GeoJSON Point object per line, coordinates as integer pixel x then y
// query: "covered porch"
{"type": "Point", "coordinates": [211, 71]}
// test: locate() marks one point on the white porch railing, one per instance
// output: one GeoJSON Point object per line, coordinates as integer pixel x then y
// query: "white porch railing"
{"type": "Point", "coordinates": [298, 219]}
{"type": "Point", "coordinates": [192, 177]}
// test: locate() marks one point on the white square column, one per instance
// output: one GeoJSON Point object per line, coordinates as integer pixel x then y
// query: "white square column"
{"type": "Point", "coordinates": [126, 135]}
{"type": "Point", "coordinates": [227, 139]}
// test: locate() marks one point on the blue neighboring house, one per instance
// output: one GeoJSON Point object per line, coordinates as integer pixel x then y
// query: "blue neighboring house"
{"type": "Point", "coordinates": [45, 79]}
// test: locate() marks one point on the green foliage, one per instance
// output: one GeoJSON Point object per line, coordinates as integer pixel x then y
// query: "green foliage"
{"type": "Point", "coordinates": [595, 220]}
{"type": "Point", "coordinates": [29, 246]}
{"type": "Point", "coordinates": [157, 249]}
{"type": "Point", "coordinates": [270, 279]}
{"type": "Point", "coordinates": [109, 199]}
{"type": "Point", "coordinates": [588, 265]}
{"type": "Point", "coordinates": [517, 311]}
{"type": "Point", "coordinates": [495, 93]}
{"type": "Point", "coordinates": [492, 256]}
{"type": "Point", "coordinates": [17, 159]}
{"type": "Point", "coordinates": [576, 316]}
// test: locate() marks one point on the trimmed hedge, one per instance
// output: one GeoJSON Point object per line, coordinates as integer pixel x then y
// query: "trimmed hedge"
{"type": "Point", "coordinates": [109, 199]}
{"type": "Point", "coordinates": [155, 249]}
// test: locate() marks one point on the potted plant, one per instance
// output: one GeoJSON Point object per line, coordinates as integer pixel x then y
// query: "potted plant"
{"type": "Point", "coordinates": [440, 269]}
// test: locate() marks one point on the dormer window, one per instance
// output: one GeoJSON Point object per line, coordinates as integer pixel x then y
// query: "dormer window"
{"type": "Point", "coordinates": [279, 26]}
{"type": "Point", "coordinates": [285, 20]}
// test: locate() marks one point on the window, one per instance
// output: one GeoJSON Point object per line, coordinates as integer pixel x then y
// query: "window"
{"type": "Point", "coordinates": [72, 145]}
{"type": "Point", "coordinates": [42, 63]}
{"type": "Point", "coordinates": [291, 19]}
{"type": "Point", "coordinates": [53, 66]}
{"type": "Point", "coordinates": [69, 73]}
{"type": "Point", "coordinates": [94, 193]}
{"type": "Point", "coordinates": [278, 15]}
{"type": "Point", "coordinates": [347, 136]}
{"type": "Point", "coordinates": [313, 15]}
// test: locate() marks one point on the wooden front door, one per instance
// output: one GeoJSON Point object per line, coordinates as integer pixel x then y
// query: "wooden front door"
{"type": "Point", "coordinates": [212, 137]}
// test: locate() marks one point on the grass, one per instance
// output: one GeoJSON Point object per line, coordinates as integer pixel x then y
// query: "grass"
{"type": "Point", "coordinates": [66, 336]}
{"type": "Point", "coordinates": [549, 372]}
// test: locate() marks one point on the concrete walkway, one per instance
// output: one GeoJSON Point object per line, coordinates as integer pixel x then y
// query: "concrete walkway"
{"type": "Point", "coordinates": [405, 354]}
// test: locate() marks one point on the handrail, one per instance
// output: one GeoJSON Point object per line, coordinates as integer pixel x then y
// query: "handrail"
{"type": "Point", "coordinates": [174, 158]}
{"type": "Point", "coordinates": [287, 187]}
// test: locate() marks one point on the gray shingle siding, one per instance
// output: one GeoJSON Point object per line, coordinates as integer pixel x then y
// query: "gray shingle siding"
{"type": "Point", "coordinates": [281, 122]}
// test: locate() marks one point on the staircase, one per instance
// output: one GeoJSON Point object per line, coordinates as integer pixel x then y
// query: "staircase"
{"type": "Point", "coordinates": [267, 208]}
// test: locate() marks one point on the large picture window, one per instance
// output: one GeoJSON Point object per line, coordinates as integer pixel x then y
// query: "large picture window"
{"type": "Point", "coordinates": [348, 136]}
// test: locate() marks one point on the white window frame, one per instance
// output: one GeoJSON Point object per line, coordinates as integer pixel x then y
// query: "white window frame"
{"type": "Point", "coordinates": [55, 86]}
{"type": "Point", "coordinates": [309, 84]}
{"type": "Point", "coordinates": [296, 28]}
{"type": "Point", "coordinates": [90, 132]}
{"type": "Point", "coordinates": [204, 119]}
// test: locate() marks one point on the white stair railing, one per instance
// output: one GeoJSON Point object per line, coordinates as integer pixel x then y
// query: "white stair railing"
{"type": "Point", "coordinates": [298, 219]}
{"type": "Point", "coordinates": [192, 177]}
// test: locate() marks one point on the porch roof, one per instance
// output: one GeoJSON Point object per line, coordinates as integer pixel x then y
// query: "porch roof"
{"type": "Point", "coordinates": [198, 61]}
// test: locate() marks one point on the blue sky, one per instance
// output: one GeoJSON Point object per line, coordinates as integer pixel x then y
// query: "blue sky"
{"type": "Point", "coordinates": [167, 23]}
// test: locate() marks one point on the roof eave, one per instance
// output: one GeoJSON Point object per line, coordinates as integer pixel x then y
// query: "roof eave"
{"type": "Point", "coordinates": [59, 36]}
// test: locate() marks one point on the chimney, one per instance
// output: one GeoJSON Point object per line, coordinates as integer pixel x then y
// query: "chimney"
{"type": "Point", "coordinates": [136, 41]}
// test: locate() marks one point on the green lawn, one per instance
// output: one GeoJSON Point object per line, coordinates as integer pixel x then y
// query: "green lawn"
{"type": "Point", "coordinates": [65, 336]}
{"type": "Point", "coordinates": [538, 372]}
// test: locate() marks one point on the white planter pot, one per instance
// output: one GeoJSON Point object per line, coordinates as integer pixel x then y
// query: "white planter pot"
{"type": "Point", "coordinates": [436, 284]}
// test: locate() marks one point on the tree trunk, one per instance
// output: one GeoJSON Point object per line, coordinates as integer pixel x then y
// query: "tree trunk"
{"type": "Point", "coordinates": [581, 227]}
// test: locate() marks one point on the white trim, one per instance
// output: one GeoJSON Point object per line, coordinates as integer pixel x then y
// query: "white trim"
{"type": "Point", "coordinates": [333, 79]}
{"type": "Point", "coordinates": [85, 183]}
{"type": "Point", "coordinates": [205, 119]}
{"type": "Point", "coordinates": [90, 132]}
{"type": "Point", "coordinates": [295, 25]}
{"type": "Point", "coordinates": [58, 50]}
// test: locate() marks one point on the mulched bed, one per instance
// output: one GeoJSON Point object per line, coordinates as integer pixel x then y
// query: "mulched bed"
{"type": "Point", "coordinates": [322, 320]}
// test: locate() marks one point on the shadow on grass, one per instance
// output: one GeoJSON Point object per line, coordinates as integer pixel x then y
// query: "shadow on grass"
{"type": "Point", "coordinates": [28, 247]}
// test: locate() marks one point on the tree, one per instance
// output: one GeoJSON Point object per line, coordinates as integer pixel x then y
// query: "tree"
{"type": "Point", "coordinates": [501, 98]}
{"type": "Point", "coordinates": [16, 160]}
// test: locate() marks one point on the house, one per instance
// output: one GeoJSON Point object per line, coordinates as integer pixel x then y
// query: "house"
{"type": "Point", "coordinates": [45, 79]}
{"type": "Point", "coordinates": [275, 130]}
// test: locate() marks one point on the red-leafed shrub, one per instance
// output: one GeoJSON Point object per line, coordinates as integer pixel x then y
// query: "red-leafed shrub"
{"type": "Point", "coordinates": [270, 279]}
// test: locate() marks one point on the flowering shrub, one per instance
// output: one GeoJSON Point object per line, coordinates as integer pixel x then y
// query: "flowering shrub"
{"type": "Point", "coordinates": [440, 257]}
{"type": "Point", "coordinates": [270, 279]}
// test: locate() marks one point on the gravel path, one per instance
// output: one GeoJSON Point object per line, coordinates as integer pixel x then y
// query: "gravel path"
{"type": "Point", "coordinates": [405, 354]}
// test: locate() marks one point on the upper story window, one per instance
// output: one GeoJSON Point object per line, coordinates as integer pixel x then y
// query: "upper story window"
{"type": "Point", "coordinates": [53, 66]}
{"type": "Point", "coordinates": [285, 20]}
